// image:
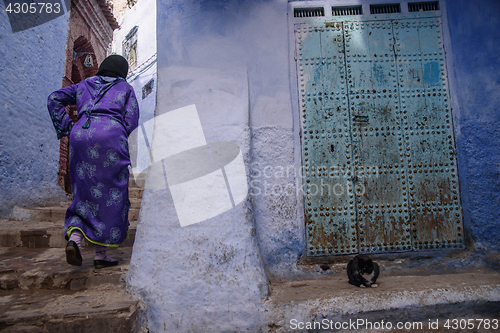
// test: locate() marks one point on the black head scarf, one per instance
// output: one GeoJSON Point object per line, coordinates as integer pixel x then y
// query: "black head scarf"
{"type": "Point", "coordinates": [115, 66]}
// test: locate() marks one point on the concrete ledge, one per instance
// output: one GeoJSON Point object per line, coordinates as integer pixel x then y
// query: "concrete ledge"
{"type": "Point", "coordinates": [332, 298]}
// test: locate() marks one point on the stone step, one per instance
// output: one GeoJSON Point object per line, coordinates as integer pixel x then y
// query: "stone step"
{"type": "Point", "coordinates": [44, 234]}
{"type": "Point", "coordinates": [57, 213]}
{"type": "Point", "coordinates": [99, 310]}
{"type": "Point", "coordinates": [46, 269]}
{"type": "Point", "coordinates": [135, 203]}
{"type": "Point", "coordinates": [135, 193]}
{"type": "Point", "coordinates": [414, 300]}
{"type": "Point", "coordinates": [40, 292]}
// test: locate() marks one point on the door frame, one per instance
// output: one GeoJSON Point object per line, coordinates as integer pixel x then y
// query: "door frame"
{"type": "Point", "coordinates": [293, 72]}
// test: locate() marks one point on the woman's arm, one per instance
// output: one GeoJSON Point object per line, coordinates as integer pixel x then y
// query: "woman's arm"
{"type": "Point", "coordinates": [131, 112]}
{"type": "Point", "coordinates": [56, 104]}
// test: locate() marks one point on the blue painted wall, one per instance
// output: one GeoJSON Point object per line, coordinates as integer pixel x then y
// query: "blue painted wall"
{"type": "Point", "coordinates": [475, 34]}
{"type": "Point", "coordinates": [31, 67]}
{"type": "Point", "coordinates": [200, 43]}
{"type": "Point", "coordinates": [253, 35]}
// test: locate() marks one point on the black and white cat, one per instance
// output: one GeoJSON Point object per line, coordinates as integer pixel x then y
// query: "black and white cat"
{"type": "Point", "coordinates": [362, 271]}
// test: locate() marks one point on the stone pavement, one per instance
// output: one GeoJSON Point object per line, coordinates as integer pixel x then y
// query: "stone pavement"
{"type": "Point", "coordinates": [40, 292]}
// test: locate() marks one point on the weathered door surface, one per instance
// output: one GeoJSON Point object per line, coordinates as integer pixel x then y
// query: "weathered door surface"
{"type": "Point", "coordinates": [377, 141]}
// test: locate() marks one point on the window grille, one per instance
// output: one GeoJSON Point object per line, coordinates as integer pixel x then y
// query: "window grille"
{"type": "Point", "coordinates": [351, 10]}
{"type": "Point", "coordinates": [423, 6]}
{"type": "Point", "coordinates": [148, 88]}
{"type": "Point", "coordinates": [309, 12]}
{"type": "Point", "coordinates": [129, 48]}
{"type": "Point", "coordinates": [385, 8]}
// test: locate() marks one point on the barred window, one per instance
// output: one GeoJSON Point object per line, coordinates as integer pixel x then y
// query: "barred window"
{"type": "Point", "coordinates": [148, 88]}
{"type": "Point", "coordinates": [129, 48]}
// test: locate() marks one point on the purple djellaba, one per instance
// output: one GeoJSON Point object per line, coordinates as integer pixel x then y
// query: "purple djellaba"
{"type": "Point", "coordinates": [98, 157]}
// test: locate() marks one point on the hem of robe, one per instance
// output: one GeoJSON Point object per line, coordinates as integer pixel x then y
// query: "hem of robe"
{"type": "Point", "coordinates": [71, 229]}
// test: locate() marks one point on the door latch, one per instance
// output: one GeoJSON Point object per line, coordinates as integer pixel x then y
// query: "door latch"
{"type": "Point", "coordinates": [360, 118]}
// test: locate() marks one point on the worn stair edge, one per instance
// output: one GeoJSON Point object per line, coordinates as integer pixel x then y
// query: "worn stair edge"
{"type": "Point", "coordinates": [135, 193]}
{"type": "Point", "coordinates": [53, 214]}
{"type": "Point", "coordinates": [33, 269]}
{"type": "Point", "coordinates": [30, 281]}
{"type": "Point", "coordinates": [44, 234]}
{"type": "Point", "coordinates": [63, 313]}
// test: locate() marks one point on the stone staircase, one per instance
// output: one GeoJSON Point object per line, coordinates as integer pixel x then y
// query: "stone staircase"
{"type": "Point", "coordinates": [40, 292]}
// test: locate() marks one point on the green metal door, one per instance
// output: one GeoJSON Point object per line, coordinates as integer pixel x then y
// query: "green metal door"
{"type": "Point", "coordinates": [377, 141]}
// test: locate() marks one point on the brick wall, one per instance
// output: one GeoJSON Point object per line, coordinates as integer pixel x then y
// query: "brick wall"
{"type": "Point", "coordinates": [90, 32]}
{"type": "Point", "coordinates": [119, 7]}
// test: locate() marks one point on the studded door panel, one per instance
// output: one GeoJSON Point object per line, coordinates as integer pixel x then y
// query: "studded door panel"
{"type": "Point", "coordinates": [429, 144]}
{"type": "Point", "coordinates": [383, 219]}
{"type": "Point", "coordinates": [330, 212]}
{"type": "Point", "coordinates": [377, 142]}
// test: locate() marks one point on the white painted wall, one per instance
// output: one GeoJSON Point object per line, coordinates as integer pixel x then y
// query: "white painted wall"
{"type": "Point", "coordinates": [142, 14]}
